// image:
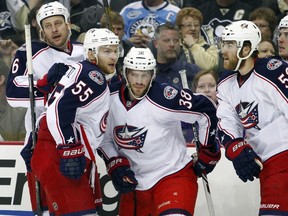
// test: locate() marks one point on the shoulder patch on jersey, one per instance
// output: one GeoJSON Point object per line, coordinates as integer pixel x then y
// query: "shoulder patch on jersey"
{"type": "Point", "coordinates": [170, 92]}
{"type": "Point", "coordinates": [273, 64]}
{"type": "Point", "coordinates": [97, 77]}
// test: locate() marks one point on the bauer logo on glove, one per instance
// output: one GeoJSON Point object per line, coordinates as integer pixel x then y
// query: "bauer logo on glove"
{"type": "Point", "coordinates": [73, 152]}
{"type": "Point", "coordinates": [72, 160]}
{"type": "Point", "coordinates": [123, 178]}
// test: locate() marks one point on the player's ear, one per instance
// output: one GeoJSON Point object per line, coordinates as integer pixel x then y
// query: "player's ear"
{"type": "Point", "coordinates": [245, 50]}
{"type": "Point", "coordinates": [42, 35]}
{"type": "Point", "coordinates": [91, 56]}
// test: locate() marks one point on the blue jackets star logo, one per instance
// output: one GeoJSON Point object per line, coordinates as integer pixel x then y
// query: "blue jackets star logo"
{"type": "Point", "coordinates": [129, 137]}
{"type": "Point", "coordinates": [248, 114]}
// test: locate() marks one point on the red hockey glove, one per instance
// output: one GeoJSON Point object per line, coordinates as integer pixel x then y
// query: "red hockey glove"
{"type": "Point", "coordinates": [72, 161]}
{"type": "Point", "coordinates": [206, 160]}
{"type": "Point", "coordinates": [47, 83]}
{"type": "Point", "coordinates": [245, 161]}
{"type": "Point", "coordinates": [123, 177]}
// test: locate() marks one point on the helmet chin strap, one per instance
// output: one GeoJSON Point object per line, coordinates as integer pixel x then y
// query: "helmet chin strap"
{"type": "Point", "coordinates": [238, 64]}
{"type": "Point", "coordinates": [240, 59]}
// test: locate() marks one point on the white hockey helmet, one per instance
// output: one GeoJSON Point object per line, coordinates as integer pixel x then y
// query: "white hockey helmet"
{"type": "Point", "coordinates": [139, 59]}
{"type": "Point", "coordinates": [283, 23]}
{"type": "Point", "coordinates": [97, 37]}
{"type": "Point", "coordinates": [241, 31]}
{"type": "Point", "coordinates": [52, 9]}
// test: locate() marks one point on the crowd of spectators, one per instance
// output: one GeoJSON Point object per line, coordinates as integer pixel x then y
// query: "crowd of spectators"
{"type": "Point", "coordinates": [197, 23]}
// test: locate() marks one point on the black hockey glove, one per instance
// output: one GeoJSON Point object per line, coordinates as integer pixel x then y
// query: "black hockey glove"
{"type": "Point", "coordinates": [49, 80]}
{"type": "Point", "coordinates": [206, 160]}
{"type": "Point", "coordinates": [122, 176]}
{"type": "Point", "coordinates": [72, 161]}
{"type": "Point", "coordinates": [27, 152]}
{"type": "Point", "coordinates": [245, 161]}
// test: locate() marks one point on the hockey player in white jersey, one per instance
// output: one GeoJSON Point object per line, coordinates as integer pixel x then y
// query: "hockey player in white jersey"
{"type": "Point", "coordinates": [253, 115]}
{"type": "Point", "coordinates": [53, 20]}
{"type": "Point", "coordinates": [72, 128]}
{"type": "Point", "coordinates": [143, 146]}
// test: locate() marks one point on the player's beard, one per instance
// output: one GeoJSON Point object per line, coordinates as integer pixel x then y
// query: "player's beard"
{"type": "Point", "coordinates": [59, 43]}
{"type": "Point", "coordinates": [230, 64]}
{"type": "Point", "coordinates": [139, 92]}
{"type": "Point", "coordinates": [106, 68]}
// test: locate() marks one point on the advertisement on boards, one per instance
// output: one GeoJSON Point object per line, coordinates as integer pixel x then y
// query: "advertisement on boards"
{"type": "Point", "coordinates": [229, 193]}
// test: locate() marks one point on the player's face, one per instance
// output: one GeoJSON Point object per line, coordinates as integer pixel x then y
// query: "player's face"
{"type": "Point", "coordinates": [107, 58]}
{"type": "Point", "coordinates": [283, 43]}
{"type": "Point", "coordinates": [229, 54]}
{"type": "Point", "coordinates": [168, 46]}
{"type": "Point", "coordinates": [56, 31]}
{"type": "Point", "coordinates": [207, 85]}
{"type": "Point", "coordinates": [139, 81]}
{"type": "Point", "coordinates": [190, 26]}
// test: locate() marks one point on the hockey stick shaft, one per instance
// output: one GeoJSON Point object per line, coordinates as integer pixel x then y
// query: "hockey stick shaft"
{"type": "Point", "coordinates": [197, 143]}
{"type": "Point", "coordinates": [107, 14]}
{"type": "Point", "coordinates": [204, 176]}
{"type": "Point", "coordinates": [30, 79]}
{"type": "Point", "coordinates": [32, 106]}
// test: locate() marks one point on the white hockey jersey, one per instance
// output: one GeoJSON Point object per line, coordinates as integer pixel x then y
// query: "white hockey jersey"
{"type": "Point", "coordinates": [148, 132]}
{"type": "Point", "coordinates": [43, 57]}
{"type": "Point", "coordinates": [80, 98]}
{"type": "Point", "coordinates": [256, 108]}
